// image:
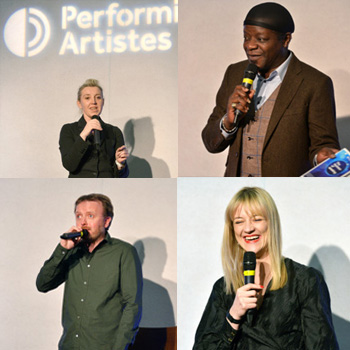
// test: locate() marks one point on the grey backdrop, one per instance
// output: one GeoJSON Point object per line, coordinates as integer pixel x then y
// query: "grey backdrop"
{"type": "Point", "coordinates": [33, 213]}
{"type": "Point", "coordinates": [315, 229]}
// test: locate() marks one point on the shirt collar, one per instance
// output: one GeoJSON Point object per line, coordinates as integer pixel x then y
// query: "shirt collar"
{"type": "Point", "coordinates": [106, 239]}
{"type": "Point", "coordinates": [280, 71]}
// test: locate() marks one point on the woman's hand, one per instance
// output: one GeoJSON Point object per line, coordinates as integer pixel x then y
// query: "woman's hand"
{"type": "Point", "coordinates": [92, 124]}
{"type": "Point", "coordinates": [121, 154]}
{"type": "Point", "coordinates": [246, 298]}
{"type": "Point", "coordinates": [240, 99]}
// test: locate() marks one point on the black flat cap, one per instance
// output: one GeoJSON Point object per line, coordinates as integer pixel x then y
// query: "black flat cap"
{"type": "Point", "coordinates": [270, 15]}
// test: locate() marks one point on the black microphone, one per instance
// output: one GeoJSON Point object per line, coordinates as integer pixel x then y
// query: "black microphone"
{"type": "Point", "coordinates": [248, 78]}
{"type": "Point", "coordinates": [249, 264]}
{"type": "Point", "coordinates": [70, 235]}
{"type": "Point", "coordinates": [97, 133]}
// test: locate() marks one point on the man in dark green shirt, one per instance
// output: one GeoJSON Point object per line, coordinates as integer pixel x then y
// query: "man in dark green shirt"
{"type": "Point", "coordinates": [103, 282]}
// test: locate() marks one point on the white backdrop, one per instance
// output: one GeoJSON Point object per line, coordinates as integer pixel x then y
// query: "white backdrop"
{"type": "Point", "coordinates": [315, 228]}
{"type": "Point", "coordinates": [38, 94]}
{"type": "Point", "coordinates": [211, 38]}
{"type": "Point", "coordinates": [33, 213]}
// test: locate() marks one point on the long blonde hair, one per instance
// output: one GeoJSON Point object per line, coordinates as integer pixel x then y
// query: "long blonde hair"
{"type": "Point", "coordinates": [258, 202]}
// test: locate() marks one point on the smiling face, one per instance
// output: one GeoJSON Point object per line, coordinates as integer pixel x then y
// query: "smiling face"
{"type": "Point", "coordinates": [91, 101]}
{"type": "Point", "coordinates": [90, 215]}
{"type": "Point", "coordinates": [251, 231]}
{"type": "Point", "coordinates": [265, 48]}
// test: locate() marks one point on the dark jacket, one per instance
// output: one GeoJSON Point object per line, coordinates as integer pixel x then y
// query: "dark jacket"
{"type": "Point", "coordinates": [83, 158]}
{"type": "Point", "coordinates": [295, 317]}
{"type": "Point", "coordinates": [302, 122]}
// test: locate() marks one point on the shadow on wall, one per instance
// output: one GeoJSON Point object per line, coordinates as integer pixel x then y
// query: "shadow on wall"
{"type": "Point", "coordinates": [333, 263]}
{"type": "Point", "coordinates": [343, 126]}
{"type": "Point", "coordinates": [158, 310]}
{"type": "Point", "coordinates": [140, 141]}
{"type": "Point", "coordinates": [158, 320]}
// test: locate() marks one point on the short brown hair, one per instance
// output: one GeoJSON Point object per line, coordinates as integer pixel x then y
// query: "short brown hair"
{"type": "Point", "coordinates": [97, 197]}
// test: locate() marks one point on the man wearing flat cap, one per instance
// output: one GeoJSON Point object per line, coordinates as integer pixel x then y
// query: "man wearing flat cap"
{"type": "Point", "coordinates": [285, 124]}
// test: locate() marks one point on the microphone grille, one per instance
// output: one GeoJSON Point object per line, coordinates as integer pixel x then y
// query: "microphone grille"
{"type": "Point", "coordinates": [85, 233]}
{"type": "Point", "coordinates": [252, 69]}
{"type": "Point", "coordinates": [249, 261]}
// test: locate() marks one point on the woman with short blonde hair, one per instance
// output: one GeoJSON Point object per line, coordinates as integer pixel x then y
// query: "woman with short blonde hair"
{"type": "Point", "coordinates": [90, 147]}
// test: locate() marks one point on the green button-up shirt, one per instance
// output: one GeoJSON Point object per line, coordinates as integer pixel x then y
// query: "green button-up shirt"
{"type": "Point", "coordinates": [102, 297]}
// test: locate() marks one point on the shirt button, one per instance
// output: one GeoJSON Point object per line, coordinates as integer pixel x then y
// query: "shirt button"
{"type": "Point", "coordinates": [85, 283]}
{"type": "Point", "coordinates": [249, 157]}
{"type": "Point", "coordinates": [77, 335]}
{"type": "Point", "coordinates": [78, 317]}
{"type": "Point", "coordinates": [88, 265]}
{"type": "Point", "coordinates": [82, 300]}
{"type": "Point", "coordinates": [250, 138]}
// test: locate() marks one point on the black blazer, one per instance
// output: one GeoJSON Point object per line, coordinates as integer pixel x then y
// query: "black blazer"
{"type": "Point", "coordinates": [82, 158]}
{"type": "Point", "coordinates": [295, 317]}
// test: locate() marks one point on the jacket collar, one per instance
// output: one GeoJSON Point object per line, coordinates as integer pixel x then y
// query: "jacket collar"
{"type": "Point", "coordinates": [82, 123]}
{"type": "Point", "coordinates": [289, 88]}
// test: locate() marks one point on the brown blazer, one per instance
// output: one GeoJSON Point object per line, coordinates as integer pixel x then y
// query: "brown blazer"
{"type": "Point", "coordinates": [302, 122]}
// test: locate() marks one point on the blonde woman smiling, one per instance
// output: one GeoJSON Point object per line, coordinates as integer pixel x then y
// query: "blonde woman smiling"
{"type": "Point", "coordinates": [290, 301]}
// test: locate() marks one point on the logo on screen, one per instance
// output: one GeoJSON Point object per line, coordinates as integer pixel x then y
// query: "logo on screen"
{"type": "Point", "coordinates": [27, 32]}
